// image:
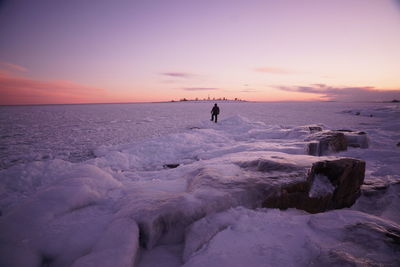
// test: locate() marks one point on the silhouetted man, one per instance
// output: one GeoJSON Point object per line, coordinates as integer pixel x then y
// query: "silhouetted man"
{"type": "Point", "coordinates": [214, 113]}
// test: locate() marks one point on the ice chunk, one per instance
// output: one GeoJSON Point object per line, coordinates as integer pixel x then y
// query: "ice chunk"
{"type": "Point", "coordinates": [357, 139]}
{"type": "Point", "coordinates": [326, 142]}
{"type": "Point", "coordinates": [321, 186]}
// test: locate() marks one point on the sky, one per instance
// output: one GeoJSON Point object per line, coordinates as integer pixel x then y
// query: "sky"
{"type": "Point", "coordinates": [82, 51]}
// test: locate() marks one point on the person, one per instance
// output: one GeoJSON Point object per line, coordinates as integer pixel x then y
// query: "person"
{"type": "Point", "coordinates": [214, 113]}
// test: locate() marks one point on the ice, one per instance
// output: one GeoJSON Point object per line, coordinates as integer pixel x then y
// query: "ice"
{"type": "Point", "coordinates": [61, 217]}
{"type": "Point", "coordinates": [162, 256]}
{"type": "Point", "coordinates": [236, 179]}
{"type": "Point", "coordinates": [242, 237]}
{"type": "Point", "coordinates": [72, 132]}
{"type": "Point", "coordinates": [86, 185]}
{"type": "Point", "coordinates": [357, 139]}
{"type": "Point", "coordinates": [381, 199]}
{"type": "Point", "coordinates": [321, 186]}
{"type": "Point", "coordinates": [117, 247]}
{"type": "Point", "coordinates": [22, 182]}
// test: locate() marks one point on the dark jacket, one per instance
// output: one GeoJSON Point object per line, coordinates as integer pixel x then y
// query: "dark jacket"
{"type": "Point", "coordinates": [215, 110]}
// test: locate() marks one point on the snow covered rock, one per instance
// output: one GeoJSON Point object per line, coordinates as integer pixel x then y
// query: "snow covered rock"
{"type": "Point", "coordinates": [315, 128]}
{"type": "Point", "coordinates": [249, 179]}
{"type": "Point", "coordinates": [356, 138]}
{"type": "Point", "coordinates": [325, 142]}
{"type": "Point", "coordinates": [331, 184]}
{"type": "Point", "coordinates": [380, 198]}
{"type": "Point", "coordinates": [346, 175]}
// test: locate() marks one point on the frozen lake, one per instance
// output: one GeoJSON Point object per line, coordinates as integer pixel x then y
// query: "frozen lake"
{"type": "Point", "coordinates": [88, 185]}
{"type": "Point", "coordinates": [72, 132]}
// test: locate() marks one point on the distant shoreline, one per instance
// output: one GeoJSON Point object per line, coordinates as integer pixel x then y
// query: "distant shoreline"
{"type": "Point", "coordinates": [202, 101]}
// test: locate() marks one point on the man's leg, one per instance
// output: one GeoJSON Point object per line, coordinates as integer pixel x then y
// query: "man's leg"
{"type": "Point", "coordinates": [216, 118]}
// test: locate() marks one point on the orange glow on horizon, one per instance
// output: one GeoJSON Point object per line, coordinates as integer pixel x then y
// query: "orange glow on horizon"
{"type": "Point", "coordinates": [18, 90]}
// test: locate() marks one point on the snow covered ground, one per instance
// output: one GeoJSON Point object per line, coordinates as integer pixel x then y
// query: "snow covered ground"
{"type": "Point", "coordinates": [72, 132]}
{"type": "Point", "coordinates": [88, 185]}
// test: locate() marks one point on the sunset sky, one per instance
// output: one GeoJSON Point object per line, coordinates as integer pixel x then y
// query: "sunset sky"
{"type": "Point", "coordinates": [81, 51]}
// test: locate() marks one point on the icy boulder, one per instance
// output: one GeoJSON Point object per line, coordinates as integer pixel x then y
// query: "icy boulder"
{"type": "Point", "coordinates": [356, 138]}
{"type": "Point", "coordinates": [326, 142]}
{"type": "Point", "coordinates": [249, 179]}
{"type": "Point", "coordinates": [331, 184]}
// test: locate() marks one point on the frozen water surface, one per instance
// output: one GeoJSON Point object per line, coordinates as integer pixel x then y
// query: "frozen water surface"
{"type": "Point", "coordinates": [72, 132]}
{"type": "Point", "coordinates": [89, 185]}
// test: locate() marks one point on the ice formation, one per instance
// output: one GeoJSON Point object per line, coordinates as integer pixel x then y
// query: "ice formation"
{"type": "Point", "coordinates": [125, 206]}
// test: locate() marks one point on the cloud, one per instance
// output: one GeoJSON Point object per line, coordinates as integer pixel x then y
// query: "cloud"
{"type": "Point", "coordinates": [16, 90]}
{"type": "Point", "coordinates": [275, 70]}
{"type": "Point", "coordinates": [178, 74]}
{"type": "Point", "coordinates": [248, 91]}
{"type": "Point", "coordinates": [200, 89]}
{"type": "Point", "coordinates": [12, 67]}
{"type": "Point", "coordinates": [365, 93]}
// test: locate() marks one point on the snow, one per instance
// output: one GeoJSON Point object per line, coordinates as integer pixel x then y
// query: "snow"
{"type": "Point", "coordinates": [242, 237]}
{"type": "Point", "coordinates": [86, 185]}
{"type": "Point", "coordinates": [117, 247]}
{"type": "Point", "coordinates": [72, 132]}
{"type": "Point", "coordinates": [60, 218]}
{"type": "Point", "coordinates": [321, 186]}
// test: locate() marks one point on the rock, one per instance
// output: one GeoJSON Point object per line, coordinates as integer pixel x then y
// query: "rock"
{"type": "Point", "coordinates": [171, 166]}
{"type": "Point", "coordinates": [356, 138]}
{"type": "Point", "coordinates": [374, 187]}
{"type": "Point", "coordinates": [390, 236]}
{"type": "Point", "coordinates": [252, 180]}
{"type": "Point", "coordinates": [328, 141]}
{"type": "Point", "coordinates": [346, 175]}
{"type": "Point", "coordinates": [325, 142]}
{"type": "Point", "coordinates": [314, 129]}
{"type": "Point", "coordinates": [330, 185]}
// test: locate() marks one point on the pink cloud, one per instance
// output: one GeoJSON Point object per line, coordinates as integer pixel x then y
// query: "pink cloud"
{"type": "Point", "coordinates": [200, 89]}
{"type": "Point", "coordinates": [178, 74]}
{"type": "Point", "coordinates": [346, 93]}
{"type": "Point", "coordinates": [13, 67]}
{"type": "Point", "coordinates": [15, 90]}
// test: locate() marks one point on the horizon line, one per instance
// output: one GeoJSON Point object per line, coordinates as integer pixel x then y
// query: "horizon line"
{"type": "Point", "coordinates": [178, 101]}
